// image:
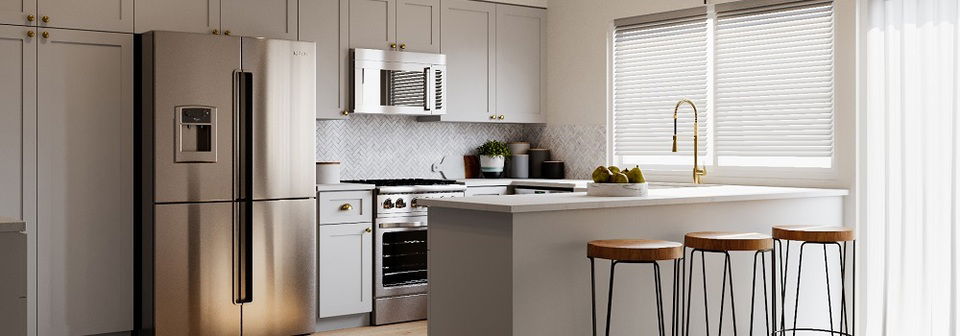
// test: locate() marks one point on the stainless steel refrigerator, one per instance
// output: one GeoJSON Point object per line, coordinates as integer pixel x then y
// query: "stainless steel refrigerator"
{"type": "Point", "coordinates": [226, 185]}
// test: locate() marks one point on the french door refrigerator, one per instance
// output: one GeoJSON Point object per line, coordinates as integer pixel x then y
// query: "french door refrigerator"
{"type": "Point", "coordinates": [226, 185]}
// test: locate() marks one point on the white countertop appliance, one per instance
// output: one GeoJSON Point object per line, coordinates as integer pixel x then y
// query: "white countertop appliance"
{"type": "Point", "coordinates": [400, 243]}
{"type": "Point", "coordinates": [227, 219]}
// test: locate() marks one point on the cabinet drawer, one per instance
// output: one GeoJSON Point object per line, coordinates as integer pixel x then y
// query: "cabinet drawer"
{"type": "Point", "coordinates": [344, 207]}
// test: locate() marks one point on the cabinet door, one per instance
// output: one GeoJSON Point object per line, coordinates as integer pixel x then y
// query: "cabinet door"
{"type": "Point", "coordinates": [263, 18]}
{"type": "Point", "coordinates": [344, 274]}
{"type": "Point", "coordinates": [418, 25]}
{"type": "Point", "coordinates": [373, 23]}
{"type": "Point", "coordinates": [15, 12]}
{"type": "Point", "coordinates": [18, 124]}
{"type": "Point", "coordinates": [469, 41]}
{"type": "Point", "coordinates": [85, 182]}
{"type": "Point", "coordinates": [521, 63]}
{"type": "Point", "coordinates": [195, 16]}
{"type": "Point", "coordinates": [325, 22]}
{"type": "Point", "coordinates": [102, 15]}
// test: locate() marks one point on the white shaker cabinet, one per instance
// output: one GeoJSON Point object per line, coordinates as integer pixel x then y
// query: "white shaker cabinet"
{"type": "Point", "coordinates": [521, 63]}
{"type": "Point", "coordinates": [195, 16]}
{"type": "Point", "coordinates": [469, 40]}
{"type": "Point", "coordinates": [345, 269]}
{"type": "Point", "coordinates": [263, 18]}
{"type": "Point", "coordinates": [325, 22]}
{"type": "Point", "coordinates": [101, 15]}
{"type": "Point", "coordinates": [85, 182]}
{"type": "Point", "coordinates": [18, 12]}
{"type": "Point", "coordinates": [406, 25]}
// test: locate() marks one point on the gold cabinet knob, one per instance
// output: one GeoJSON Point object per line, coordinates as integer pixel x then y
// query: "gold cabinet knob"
{"type": "Point", "coordinates": [368, 230]}
{"type": "Point", "coordinates": [45, 34]}
{"type": "Point", "coordinates": [345, 112]}
{"type": "Point", "coordinates": [403, 46]}
{"type": "Point", "coordinates": [30, 18]}
{"type": "Point", "coordinates": [216, 32]}
{"type": "Point", "coordinates": [500, 117]}
{"type": "Point", "coordinates": [30, 33]}
{"type": "Point", "coordinates": [226, 32]}
{"type": "Point", "coordinates": [45, 19]}
{"type": "Point", "coordinates": [346, 207]}
{"type": "Point", "coordinates": [493, 117]}
{"type": "Point", "coordinates": [393, 45]}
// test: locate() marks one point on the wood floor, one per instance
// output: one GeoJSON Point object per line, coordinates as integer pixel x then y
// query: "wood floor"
{"type": "Point", "coordinates": [418, 328]}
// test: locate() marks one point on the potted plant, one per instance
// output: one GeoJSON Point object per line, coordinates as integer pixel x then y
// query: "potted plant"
{"type": "Point", "coordinates": [492, 156]}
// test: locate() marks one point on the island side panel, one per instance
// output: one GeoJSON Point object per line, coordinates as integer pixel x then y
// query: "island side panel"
{"type": "Point", "coordinates": [470, 277]}
{"type": "Point", "coordinates": [551, 274]}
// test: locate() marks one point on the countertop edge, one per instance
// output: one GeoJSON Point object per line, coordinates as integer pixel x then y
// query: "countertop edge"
{"type": "Point", "coordinates": [12, 225]}
{"type": "Point", "coordinates": [344, 187]}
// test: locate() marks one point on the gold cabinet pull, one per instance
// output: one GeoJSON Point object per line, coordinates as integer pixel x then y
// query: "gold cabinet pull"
{"type": "Point", "coordinates": [500, 117]}
{"type": "Point", "coordinates": [45, 34]}
{"type": "Point", "coordinates": [216, 32]}
{"type": "Point", "coordinates": [45, 19]}
{"type": "Point", "coordinates": [367, 230]}
{"type": "Point", "coordinates": [403, 46]}
{"type": "Point", "coordinates": [493, 117]}
{"type": "Point", "coordinates": [226, 32]}
{"type": "Point", "coordinates": [345, 112]}
{"type": "Point", "coordinates": [346, 207]}
{"type": "Point", "coordinates": [30, 18]}
{"type": "Point", "coordinates": [393, 46]}
{"type": "Point", "coordinates": [30, 33]}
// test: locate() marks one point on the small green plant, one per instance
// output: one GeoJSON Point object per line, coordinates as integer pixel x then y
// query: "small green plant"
{"type": "Point", "coordinates": [494, 148]}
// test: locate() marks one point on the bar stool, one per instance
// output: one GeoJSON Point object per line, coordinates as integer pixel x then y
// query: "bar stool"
{"type": "Point", "coordinates": [635, 251]}
{"type": "Point", "coordinates": [817, 235]}
{"type": "Point", "coordinates": [724, 243]}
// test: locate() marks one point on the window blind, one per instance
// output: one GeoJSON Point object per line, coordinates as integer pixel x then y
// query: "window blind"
{"type": "Point", "coordinates": [773, 96]}
{"type": "Point", "coordinates": [655, 64]}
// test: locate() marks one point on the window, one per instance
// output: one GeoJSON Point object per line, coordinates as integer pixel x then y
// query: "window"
{"type": "Point", "coordinates": [762, 79]}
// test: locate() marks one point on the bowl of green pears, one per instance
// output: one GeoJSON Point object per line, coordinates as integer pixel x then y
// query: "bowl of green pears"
{"type": "Point", "coordinates": [615, 182]}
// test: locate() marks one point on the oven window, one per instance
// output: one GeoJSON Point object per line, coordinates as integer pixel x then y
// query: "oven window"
{"type": "Point", "coordinates": [404, 258]}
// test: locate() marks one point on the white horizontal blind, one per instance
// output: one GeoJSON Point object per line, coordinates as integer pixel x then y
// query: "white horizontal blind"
{"type": "Point", "coordinates": [654, 66]}
{"type": "Point", "coordinates": [773, 96]}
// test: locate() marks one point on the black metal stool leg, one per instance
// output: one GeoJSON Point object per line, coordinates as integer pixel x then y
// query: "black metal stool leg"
{"type": "Point", "coordinates": [613, 267]}
{"type": "Point", "coordinates": [593, 298]}
{"type": "Point", "coordinates": [659, 289]}
{"type": "Point", "coordinates": [826, 273]}
{"type": "Point", "coordinates": [733, 305]}
{"type": "Point", "coordinates": [796, 302]}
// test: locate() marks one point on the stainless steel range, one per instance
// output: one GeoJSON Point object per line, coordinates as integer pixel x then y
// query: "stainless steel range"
{"type": "Point", "coordinates": [400, 256]}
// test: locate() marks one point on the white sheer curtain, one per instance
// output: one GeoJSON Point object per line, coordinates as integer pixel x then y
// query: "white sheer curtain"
{"type": "Point", "coordinates": [910, 150]}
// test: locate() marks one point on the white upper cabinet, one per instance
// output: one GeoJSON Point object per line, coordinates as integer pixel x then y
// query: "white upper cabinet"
{"type": "Point", "coordinates": [18, 12]}
{"type": "Point", "coordinates": [325, 22]}
{"type": "Point", "coordinates": [195, 16]}
{"type": "Point", "coordinates": [264, 18]}
{"type": "Point", "coordinates": [469, 41]}
{"type": "Point", "coordinates": [418, 25]}
{"type": "Point", "coordinates": [102, 15]}
{"type": "Point", "coordinates": [521, 63]}
{"type": "Point", "coordinates": [408, 25]}
{"type": "Point", "coordinates": [85, 182]}
{"type": "Point", "coordinates": [18, 117]}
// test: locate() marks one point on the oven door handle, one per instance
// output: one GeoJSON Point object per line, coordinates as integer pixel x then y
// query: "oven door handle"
{"type": "Point", "coordinates": [403, 225]}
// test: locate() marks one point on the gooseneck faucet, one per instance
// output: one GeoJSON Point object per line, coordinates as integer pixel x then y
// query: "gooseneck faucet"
{"type": "Point", "coordinates": [698, 172]}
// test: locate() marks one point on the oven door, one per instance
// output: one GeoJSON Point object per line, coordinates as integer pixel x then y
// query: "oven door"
{"type": "Point", "coordinates": [401, 256]}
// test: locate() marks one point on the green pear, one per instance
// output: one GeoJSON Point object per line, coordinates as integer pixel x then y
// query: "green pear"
{"type": "Point", "coordinates": [620, 178]}
{"type": "Point", "coordinates": [636, 176]}
{"type": "Point", "coordinates": [614, 169]}
{"type": "Point", "coordinates": [601, 174]}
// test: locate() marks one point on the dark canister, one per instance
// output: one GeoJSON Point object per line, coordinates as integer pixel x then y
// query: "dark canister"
{"type": "Point", "coordinates": [537, 156]}
{"type": "Point", "coordinates": [553, 169]}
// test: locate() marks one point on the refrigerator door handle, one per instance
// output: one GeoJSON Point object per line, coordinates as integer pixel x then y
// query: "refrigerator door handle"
{"type": "Point", "coordinates": [244, 287]}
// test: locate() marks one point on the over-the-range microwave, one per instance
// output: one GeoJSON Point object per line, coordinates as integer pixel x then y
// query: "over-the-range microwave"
{"type": "Point", "coordinates": [399, 82]}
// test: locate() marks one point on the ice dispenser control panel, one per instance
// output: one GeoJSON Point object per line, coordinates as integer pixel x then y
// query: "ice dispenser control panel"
{"type": "Point", "coordinates": [196, 135]}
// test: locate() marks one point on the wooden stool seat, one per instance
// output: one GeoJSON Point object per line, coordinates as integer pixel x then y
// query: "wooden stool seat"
{"type": "Point", "coordinates": [728, 241]}
{"type": "Point", "coordinates": [634, 250]}
{"type": "Point", "coordinates": [814, 233]}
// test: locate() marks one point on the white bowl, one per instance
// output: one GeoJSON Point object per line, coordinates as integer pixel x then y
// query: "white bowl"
{"type": "Point", "coordinates": [617, 189]}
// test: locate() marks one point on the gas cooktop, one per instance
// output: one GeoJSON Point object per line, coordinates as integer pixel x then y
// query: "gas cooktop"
{"type": "Point", "coordinates": [403, 182]}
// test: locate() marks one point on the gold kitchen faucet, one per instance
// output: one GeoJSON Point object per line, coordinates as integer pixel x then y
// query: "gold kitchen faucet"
{"type": "Point", "coordinates": [698, 172]}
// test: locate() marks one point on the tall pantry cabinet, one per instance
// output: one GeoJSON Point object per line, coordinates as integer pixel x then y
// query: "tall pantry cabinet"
{"type": "Point", "coordinates": [68, 172]}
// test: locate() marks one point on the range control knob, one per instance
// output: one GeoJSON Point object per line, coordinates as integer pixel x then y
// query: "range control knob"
{"type": "Point", "coordinates": [413, 203]}
{"type": "Point", "coordinates": [400, 203]}
{"type": "Point", "coordinates": [388, 204]}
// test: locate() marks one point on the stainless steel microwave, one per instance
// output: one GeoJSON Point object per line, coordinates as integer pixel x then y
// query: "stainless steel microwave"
{"type": "Point", "coordinates": [399, 82]}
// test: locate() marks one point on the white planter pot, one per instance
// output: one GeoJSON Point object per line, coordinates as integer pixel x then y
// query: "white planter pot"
{"type": "Point", "coordinates": [491, 165]}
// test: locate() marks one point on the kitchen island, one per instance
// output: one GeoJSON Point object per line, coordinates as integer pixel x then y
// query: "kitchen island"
{"type": "Point", "coordinates": [516, 264]}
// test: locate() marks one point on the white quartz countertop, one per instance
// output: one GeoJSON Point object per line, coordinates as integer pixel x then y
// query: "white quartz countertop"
{"type": "Point", "coordinates": [345, 187]}
{"type": "Point", "coordinates": [8, 224]}
{"type": "Point", "coordinates": [578, 185]}
{"type": "Point", "coordinates": [664, 196]}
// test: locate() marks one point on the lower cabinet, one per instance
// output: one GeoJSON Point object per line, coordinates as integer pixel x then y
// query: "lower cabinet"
{"type": "Point", "coordinates": [344, 272]}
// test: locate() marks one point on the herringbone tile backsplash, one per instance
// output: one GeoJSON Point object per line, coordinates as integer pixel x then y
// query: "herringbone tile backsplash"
{"type": "Point", "coordinates": [377, 146]}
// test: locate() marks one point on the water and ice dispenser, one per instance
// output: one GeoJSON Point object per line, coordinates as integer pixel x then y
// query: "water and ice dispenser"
{"type": "Point", "coordinates": [196, 134]}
